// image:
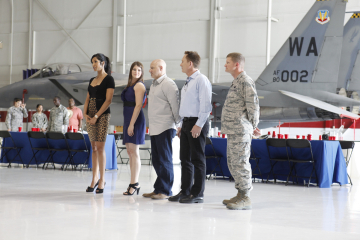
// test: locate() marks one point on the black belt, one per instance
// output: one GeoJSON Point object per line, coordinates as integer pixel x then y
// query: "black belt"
{"type": "Point", "coordinates": [185, 119]}
{"type": "Point", "coordinates": [98, 99]}
{"type": "Point", "coordinates": [129, 104]}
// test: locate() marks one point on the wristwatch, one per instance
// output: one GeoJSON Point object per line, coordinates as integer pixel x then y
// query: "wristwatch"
{"type": "Point", "coordinates": [96, 116]}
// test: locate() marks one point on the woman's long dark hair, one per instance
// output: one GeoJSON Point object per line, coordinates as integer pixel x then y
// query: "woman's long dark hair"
{"type": "Point", "coordinates": [102, 58]}
{"type": "Point", "coordinates": [141, 78]}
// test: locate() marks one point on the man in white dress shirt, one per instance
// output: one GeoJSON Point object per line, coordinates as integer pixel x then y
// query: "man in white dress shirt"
{"type": "Point", "coordinates": [163, 115]}
{"type": "Point", "coordinates": [195, 108]}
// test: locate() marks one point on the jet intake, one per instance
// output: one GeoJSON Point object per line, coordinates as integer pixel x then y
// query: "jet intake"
{"type": "Point", "coordinates": [326, 115]}
{"type": "Point", "coordinates": [350, 94]}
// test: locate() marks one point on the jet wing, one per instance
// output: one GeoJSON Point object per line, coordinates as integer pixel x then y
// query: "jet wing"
{"type": "Point", "coordinates": [319, 104]}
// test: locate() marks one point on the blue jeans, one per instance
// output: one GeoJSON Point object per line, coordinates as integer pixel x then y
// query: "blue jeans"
{"type": "Point", "coordinates": [161, 151]}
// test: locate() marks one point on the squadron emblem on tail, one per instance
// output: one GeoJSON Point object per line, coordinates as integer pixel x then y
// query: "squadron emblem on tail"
{"type": "Point", "coordinates": [323, 17]}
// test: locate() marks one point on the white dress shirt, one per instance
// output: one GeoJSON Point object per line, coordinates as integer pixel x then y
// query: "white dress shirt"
{"type": "Point", "coordinates": [163, 111]}
{"type": "Point", "coordinates": [196, 98]}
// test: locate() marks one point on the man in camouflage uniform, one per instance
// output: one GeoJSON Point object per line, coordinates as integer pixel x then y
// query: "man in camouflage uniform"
{"type": "Point", "coordinates": [239, 120]}
{"type": "Point", "coordinates": [15, 115]}
{"type": "Point", "coordinates": [59, 116]}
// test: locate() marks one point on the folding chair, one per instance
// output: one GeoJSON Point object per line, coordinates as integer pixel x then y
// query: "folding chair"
{"type": "Point", "coordinates": [347, 145]}
{"type": "Point", "coordinates": [52, 138]}
{"type": "Point", "coordinates": [81, 148]}
{"type": "Point", "coordinates": [120, 149]}
{"type": "Point", "coordinates": [214, 156]}
{"type": "Point", "coordinates": [148, 149]}
{"type": "Point", "coordinates": [118, 137]}
{"type": "Point", "coordinates": [7, 135]}
{"type": "Point", "coordinates": [301, 143]}
{"type": "Point", "coordinates": [147, 137]}
{"type": "Point", "coordinates": [39, 145]}
{"type": "Point", "coordinates": [256, 159]}
{"type": "Point", "coordinates": [274, 159]}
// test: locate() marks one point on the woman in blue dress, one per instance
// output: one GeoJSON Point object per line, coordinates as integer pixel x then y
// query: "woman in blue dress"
{"type": "Point", "coordinates": [134, 129]}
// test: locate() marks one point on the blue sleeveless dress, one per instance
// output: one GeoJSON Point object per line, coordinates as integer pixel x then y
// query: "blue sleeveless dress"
{"type": "Point", "coordinates": [128, 95]}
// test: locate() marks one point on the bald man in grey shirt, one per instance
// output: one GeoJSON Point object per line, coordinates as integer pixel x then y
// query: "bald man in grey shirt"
{"type": "Point", "coordinates": [163, 115]}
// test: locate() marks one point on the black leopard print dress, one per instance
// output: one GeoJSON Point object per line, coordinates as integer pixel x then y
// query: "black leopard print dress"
{"type": "Point", "coordinates": [97, 132]}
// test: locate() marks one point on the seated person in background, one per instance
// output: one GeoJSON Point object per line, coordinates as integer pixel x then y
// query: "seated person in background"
{"type": "Point", "coordinates": [76, 115]}
{"type": "Point", "coordinates": [15, 115]}
{"type": "Point", "coordinates": [59, 116]}
{"type": "Point", "coordinates": [39, 119]}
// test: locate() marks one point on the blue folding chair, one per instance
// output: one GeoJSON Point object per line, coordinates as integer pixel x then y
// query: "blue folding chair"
{"type": "Point", "coordinates": [7, 135]}
{"type": "Point", "coordinates": [79, 147]}
{"type": "Point", "coordinates": [56, 143]}
{"type": "Point", "coordinates": [38, 143]}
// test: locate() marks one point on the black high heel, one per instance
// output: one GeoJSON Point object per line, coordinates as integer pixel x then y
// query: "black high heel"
{"type": "Point", "coordinates": [134, 186]}
{"type": "Point", "coordinates": [90, 189]}
{"type": "Point", "coordinates": [99, 190]}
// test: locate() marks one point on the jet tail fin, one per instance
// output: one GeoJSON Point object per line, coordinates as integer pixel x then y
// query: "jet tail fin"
{"type": "Point", "coordinates": [349, 73]}
{"type": "Point", "coordinates": [310, 57]}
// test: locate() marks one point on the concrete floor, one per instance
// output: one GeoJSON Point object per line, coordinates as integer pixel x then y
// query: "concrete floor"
{"type": "Point", "coordinates": [38, 204]}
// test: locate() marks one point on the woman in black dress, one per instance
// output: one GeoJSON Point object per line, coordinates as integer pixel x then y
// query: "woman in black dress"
{"type": "Point", "coordinates": [97, 115]}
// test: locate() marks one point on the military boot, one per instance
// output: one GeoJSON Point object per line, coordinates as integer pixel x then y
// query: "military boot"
{"type": "Point", "coordinates": [241, 193]}
{"type": "Point", "coordinates": [242, 203]}
{"type": "Point", "coordinates": [232, 200]}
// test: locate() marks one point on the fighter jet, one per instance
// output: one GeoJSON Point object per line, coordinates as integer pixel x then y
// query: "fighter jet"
{"type": "Point", "coordinates": [299, 84]}
{"type": "Point", "coordinates": [60, 79]}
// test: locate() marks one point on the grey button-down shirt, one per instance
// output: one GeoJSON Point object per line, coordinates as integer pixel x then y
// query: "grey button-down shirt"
{"type": "Point", "coordinates": [163, 108]}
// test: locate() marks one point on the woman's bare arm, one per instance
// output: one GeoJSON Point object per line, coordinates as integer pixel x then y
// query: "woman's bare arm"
{"type": "Point", "coordinates": [139, 90]}
{"type": "Point", "coordinates": [86, 104]}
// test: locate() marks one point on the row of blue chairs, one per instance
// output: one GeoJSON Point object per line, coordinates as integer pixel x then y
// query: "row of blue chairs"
{"type": "Point", "coordinates": [49, 141]}
{"type": "Point", "coordinates": [289, 145]}
{"type": "Point", "coordinates": [292, 160]}
{"type": "Point", "coordinates": [286, 155]}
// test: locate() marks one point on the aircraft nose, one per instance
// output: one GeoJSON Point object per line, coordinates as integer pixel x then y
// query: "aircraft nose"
{"type": "Point", "coordinates": [7, 96]}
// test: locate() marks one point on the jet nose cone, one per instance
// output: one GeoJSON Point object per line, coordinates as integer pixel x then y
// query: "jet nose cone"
{"type": "Point", "coordinates": [6, 97]}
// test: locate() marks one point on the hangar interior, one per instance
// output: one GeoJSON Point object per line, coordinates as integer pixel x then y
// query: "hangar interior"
{"type": "Point", "coordinates": [43, 204]}
{"type": "Point", "coordinates": [37, 33]}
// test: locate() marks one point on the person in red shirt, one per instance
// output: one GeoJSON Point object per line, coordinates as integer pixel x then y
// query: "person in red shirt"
{"type": "Point", "coordinates": [76, 116]}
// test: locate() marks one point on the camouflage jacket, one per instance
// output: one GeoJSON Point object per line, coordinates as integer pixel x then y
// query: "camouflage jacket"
{"type": "Point", "coordinates": [14, 118]}
{"type": "Point", "coordinates": [240, 114]}
{"type": "Point", "coordinates": [39, 120]}
{"type": "Point", "coordinates": [59, 116]}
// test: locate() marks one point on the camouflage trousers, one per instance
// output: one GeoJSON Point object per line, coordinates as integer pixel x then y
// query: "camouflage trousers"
{"type": "Point", "coordinates": [238, 154]}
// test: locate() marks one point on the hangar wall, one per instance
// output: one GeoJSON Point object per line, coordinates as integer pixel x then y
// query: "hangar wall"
{"type": "Point", "coordinates": [155, 29]}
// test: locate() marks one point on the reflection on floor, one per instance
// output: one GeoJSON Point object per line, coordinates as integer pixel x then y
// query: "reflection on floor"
{"type": "Point", "coordinates": [38, 204]}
